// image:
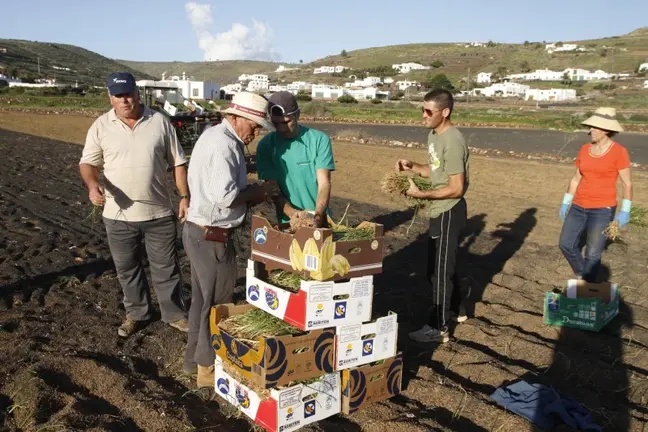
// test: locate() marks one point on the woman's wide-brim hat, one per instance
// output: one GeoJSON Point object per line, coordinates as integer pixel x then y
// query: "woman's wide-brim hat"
{"type": "Point", "coordinates": [604, 118]}
{"type": "Point", "coordinates": [250, 106]}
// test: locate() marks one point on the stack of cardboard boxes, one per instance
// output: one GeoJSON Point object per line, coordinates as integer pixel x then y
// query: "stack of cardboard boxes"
{"type": "Point", "coordinates": [342, 362]}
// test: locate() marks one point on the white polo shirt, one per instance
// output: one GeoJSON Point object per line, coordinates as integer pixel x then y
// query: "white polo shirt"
{"type": "Point", "coordinates": [135, 163]}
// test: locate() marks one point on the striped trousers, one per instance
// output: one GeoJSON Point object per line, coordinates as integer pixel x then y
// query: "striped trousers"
{"type": "Point", "coordinates": [443, 244]}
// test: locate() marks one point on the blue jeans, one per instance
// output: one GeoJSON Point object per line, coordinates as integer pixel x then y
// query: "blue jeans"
{"type": "Point", "coordinates": [595, 221]}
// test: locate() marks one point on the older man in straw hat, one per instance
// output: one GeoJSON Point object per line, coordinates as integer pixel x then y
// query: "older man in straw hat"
{"type": "Point", "coordinates": [591, 199]}
{"type": "Point", "coordinates": [219, 202]}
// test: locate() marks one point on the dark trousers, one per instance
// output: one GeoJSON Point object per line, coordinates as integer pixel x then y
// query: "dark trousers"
{"type": "Point", "coordinates": [577, 221]}
{"type": "Point", "coordinates": [213, 278]}
{"type": "Point", "coordinates": [125, 242]}
{"type": "Point", "coordinates": [443, 244]}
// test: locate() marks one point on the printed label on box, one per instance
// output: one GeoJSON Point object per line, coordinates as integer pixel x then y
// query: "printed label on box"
{"type": "Point", "coordinates": [361, 287]}
{"type": "Point", "coordinates": [349, 333]}
{"type": "Point", "coordinates": [320, 293]}
{"type": "Point", "coordinates": [289, 398]}
{"type": "Point", "coordinates": [386, 324]}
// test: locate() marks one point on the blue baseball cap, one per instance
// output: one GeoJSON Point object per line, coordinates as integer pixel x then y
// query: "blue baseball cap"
{"type": "Point", "coordinates": [121, 83]}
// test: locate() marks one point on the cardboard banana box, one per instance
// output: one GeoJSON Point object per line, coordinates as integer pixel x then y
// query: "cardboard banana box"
{"type": "Point", "coordinates": [275, 361]}
{"type": "Point", "coordinates": [286, 409]}
{"type": "Point", "coordinates": [371, 383]}
{"type": "Point", "coordinates": [360, 344]}
{"type": "Point", "coordinates": [316, 305]}
{"type": "Point", "coordinates": [314, 253]}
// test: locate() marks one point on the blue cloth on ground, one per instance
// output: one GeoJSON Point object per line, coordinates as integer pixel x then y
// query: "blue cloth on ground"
{"type": "Point", "coordinates": [542, 405]}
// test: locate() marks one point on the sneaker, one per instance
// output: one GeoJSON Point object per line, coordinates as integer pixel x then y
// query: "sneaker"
{"type": "Point", "coordinates": [181, 324]}
{"type": "Point", "coordinates": [428, 334]}
{"type": "Point", "coordinates": [128, 327]}
{"type": "Point", "coordinates": [458, 318]}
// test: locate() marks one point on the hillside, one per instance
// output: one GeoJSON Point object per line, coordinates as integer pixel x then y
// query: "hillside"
{"type": "Point", "coordinates": [74, 63]}
{"type": "Point", "coordinates": [220, 71]}
{"type": "Point", "coordinates": [612, 54]}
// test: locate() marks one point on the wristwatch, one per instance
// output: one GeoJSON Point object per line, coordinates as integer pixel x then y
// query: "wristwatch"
{"type": "Point", "coordinates": [184, 196]}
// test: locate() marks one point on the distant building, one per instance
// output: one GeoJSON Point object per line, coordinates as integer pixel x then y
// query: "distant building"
{"type": "Point", "coordinates": [329, 69]}
{"type": "Point", "coordinates": [551, 48]}
{"type": "Point", "coordinates": [186, 86]}
{"type": "Point", "coordinates": [232, 88]}
{"type": "Point", "coordinates": [484, 77]}
{"type": "Point", "coordinates": [643, 67]}
{"type": "Point", "coordinates": [406, 67]}
{"type": "Point", "coordinates": [402, 85]}
{"type": "Point", "coordinates": [645, 84]}
{"type": "Point", "coordinates": [550, 94]}
{"type": "Point", "coordinates": [575, 74]}
{"type": "Point", "coordinates": [506, 89]}
{"type": "Point", "coordinates": [326, 91]}
{"type": "Point", "coordinates": [283, 68]}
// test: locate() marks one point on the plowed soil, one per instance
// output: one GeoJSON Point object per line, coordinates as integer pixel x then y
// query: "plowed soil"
{"type": "Point", "coordinates": [63, 367]}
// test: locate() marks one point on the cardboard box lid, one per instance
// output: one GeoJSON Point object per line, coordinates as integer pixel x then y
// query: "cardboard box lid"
{"type": "Point", "coordinates": [578, 288]}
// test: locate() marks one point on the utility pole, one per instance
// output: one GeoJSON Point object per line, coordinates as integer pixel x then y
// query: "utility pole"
{"type": "Point", "coordinates": [38, 65]}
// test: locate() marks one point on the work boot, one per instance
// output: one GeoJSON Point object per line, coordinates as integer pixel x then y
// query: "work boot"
{"type": "Point", "coordinates": [129, 327]}
{"type": "Point", "coordinates": [205, 376]}
{"type": "Point", "coordinates": [181, 324]}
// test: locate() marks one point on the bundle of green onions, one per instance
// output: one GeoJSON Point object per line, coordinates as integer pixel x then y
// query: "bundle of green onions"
{"type": "Point", "coordinates": [286, 280]}
{"type": "Point", "coordinates": [345, 233]}
{"type": "Point", "coordinates": [397, 184]}
{"type": "Point", "coordinates": [255, 323]}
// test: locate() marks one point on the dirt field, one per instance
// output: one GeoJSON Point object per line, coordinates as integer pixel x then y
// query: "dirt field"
{"type": "Point", "coordinates": [63, 367]}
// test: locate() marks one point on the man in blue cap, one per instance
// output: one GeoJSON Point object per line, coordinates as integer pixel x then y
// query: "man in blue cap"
{"type": "Point", "coordinates": [299, 159]}
{"type": "Point", "coordinates": [135, 145]}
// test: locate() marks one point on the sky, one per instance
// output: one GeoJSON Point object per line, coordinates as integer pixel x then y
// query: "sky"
{"type": "Point", "coordinates": [289, 30]}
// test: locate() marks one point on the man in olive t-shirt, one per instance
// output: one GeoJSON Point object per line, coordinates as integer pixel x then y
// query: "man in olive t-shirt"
{"type": "Point", "coordinates": [447, 168]}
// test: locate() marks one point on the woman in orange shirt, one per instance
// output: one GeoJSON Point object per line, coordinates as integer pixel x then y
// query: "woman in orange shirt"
{"type": "Point", "coordinates": [591, 199]}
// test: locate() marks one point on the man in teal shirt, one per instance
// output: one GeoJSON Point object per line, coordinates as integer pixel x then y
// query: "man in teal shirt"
{"type": "Point", "coordinates": [299, 159]}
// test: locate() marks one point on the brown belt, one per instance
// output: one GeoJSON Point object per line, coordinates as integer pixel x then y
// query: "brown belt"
{"type": "Point", "coordinates": [214, 233]}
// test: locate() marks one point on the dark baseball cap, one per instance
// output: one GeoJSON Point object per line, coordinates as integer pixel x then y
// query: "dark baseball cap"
{"type": "Point", "coordinates": [121, 83]}
{"type": "Point", "coordinates": [282, 103]}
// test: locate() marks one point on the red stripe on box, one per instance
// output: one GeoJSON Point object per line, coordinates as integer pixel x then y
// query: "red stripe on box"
{"type": "Point", "coordinates": [296, 310]}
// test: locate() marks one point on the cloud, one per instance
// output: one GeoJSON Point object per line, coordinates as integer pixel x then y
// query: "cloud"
{"type": "Point", "coordinates": [238, 43]}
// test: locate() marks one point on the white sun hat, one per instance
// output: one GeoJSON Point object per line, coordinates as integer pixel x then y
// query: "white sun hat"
{"type": "Point", "coordinates": [604, 118]}
{"type": "Point", "coordinates": [250, 106]}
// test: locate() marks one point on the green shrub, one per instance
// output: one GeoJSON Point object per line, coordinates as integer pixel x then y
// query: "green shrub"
{"type": "Point", "coordinates": [376, 101]}
{"type": "Point", "coordinates": [347, 99]}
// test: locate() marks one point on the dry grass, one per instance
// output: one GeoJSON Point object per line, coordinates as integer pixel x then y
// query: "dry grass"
{"type": "Point", "coordinates": [612, 232]}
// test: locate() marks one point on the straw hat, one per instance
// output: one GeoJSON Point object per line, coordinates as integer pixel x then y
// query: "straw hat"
{"type": "Point", "coordinates": [604, 118]}
{"type": "Point", "coordinates": [250, 106]}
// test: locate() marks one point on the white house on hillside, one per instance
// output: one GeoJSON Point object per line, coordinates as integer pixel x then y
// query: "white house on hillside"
{"type": "Point", "coordinates": [646, 84]}
{"type": "Point", "coordinates": [299, 85]}
{"type": "Point", "coordinates": [329, 69]}
{"type": "Point", "coordinates": [550, 94]}
{"type": "Point", "coordinates": [575, 74]}
{"type": "Point", "coordinates": [232, 88]}
{"type": "Point", "coordinates": [402, 85]}
{"type": "Point", "coordinates": [506, 89]}
{"type": "Point", "coordinates": [283, 68]}
{"type": "Point", "coordinates": [551, 48]}
{"type": "Point", "coordinates": [187, 87]}
{"type": "Point", "coordinates": [484, 77]}
{"type": "Point", "coordinates": [326, 91]}
{"type": "Point", "coordinates": [643, 67]}
{"type": "Point", "coordinates": [406, 67]}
